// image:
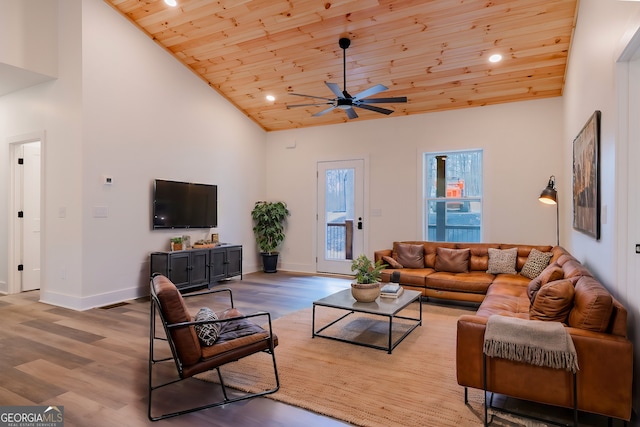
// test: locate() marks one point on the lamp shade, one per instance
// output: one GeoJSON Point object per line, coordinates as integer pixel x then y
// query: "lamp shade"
{"type": "Point", "coordinates": [549, 195]}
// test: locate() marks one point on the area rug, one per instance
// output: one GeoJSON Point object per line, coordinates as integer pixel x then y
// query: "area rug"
{"type": "Point", "coordinates": [414, 386]}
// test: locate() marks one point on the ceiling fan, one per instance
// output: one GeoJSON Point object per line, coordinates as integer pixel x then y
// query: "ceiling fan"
{"type": "Point", "coordinates": [344, 100]}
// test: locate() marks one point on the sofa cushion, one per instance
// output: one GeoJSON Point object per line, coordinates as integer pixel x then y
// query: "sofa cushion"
{"type": "Point", "coordinates": [502, 261]}
{"type": "Point", "coordinates": [536, 263]}
{"type": "Point", "coordinates": [553, 301]}
{"type": "Point", "coordinates": [452, 260]}
{"type": "Point", "coordinates": [208, 333]}
{"type": "Point", "coordinates": [592, 306]}
{"type": "Point", "coordinates": [552, 273]}
{"type": "Point", "coordinates": [409, 255]}
{"type": "Point", "coordinates": [391, 262]}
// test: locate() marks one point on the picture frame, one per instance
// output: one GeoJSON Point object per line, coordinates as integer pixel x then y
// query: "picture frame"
{"type": "Point", "coordinates": [586, 178]}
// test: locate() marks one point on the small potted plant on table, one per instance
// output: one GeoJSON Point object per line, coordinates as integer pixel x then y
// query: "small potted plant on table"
{"type": "Point", "coordinates": [366, 287]}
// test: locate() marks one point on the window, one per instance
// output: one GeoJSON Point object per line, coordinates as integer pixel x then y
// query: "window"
{"type": "Point", "coordinates": [452, 202]}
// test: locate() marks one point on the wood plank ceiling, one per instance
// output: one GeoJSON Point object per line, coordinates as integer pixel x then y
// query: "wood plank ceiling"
{"type": "Point", "coordinates": [434, 52]}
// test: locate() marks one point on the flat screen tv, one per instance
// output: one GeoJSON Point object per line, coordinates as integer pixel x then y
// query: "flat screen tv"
{"type": "Point", "coordinates": [184, 205]}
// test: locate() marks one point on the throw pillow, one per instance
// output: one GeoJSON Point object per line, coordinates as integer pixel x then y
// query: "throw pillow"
{"type": "Point", "coordinates": [553, 302]}
{"type": "Point", "coordinates": [208, 333]}
{"type": "Point", "coordinates": [410, 256]}
{"type": "Point", "coordinates": [550, 274]}
{"type": "Point", "coordinates": [452, 260]}
{"type": "Point", "coordinates": [392, 262]}
{"type": "Point", "coordinates": [502, 261]}
{"type": "Point", "coordinates": [536, 262]}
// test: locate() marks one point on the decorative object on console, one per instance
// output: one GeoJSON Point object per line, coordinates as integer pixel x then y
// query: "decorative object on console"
{"type": "Point", "coordinates": [186, 242]}
{"type": "Point", "coordinates": [366, 288]}
{"type": "Point", "coordinates": [586, 178]}
{"type": "Point", "coordinates": [176, 243]}
{"type": "Point", "coordinates": [549, 196]}
{"type": "Point", "coordinates": [269, 219]}
{"type": "Point", "coordinates": [215, 237]}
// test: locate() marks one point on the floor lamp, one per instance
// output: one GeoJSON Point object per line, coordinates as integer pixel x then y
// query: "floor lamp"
{"type": "Point", "coordinates": [549, 196]}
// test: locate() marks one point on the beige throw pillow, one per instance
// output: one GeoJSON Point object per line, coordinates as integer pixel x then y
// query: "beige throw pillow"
{"type": "Point", "coordinates": [536, 262]}
{"type": "Point", "coordinates": [452, 260]}
{"type": "Point", "coordinates": [502, 261]}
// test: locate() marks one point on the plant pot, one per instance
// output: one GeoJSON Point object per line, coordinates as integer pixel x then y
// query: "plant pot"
{"type": "Point", "coordinates": [269, 262]}
{"type": "Point", "coordinates": [365, 292]}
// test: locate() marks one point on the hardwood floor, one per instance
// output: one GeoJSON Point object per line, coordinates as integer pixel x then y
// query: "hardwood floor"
{"type": "Point", "coordinates": [94, 363]}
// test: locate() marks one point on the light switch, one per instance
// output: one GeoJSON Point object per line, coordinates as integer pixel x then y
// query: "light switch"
{"type": "Point", "coordinates": [100, 212]}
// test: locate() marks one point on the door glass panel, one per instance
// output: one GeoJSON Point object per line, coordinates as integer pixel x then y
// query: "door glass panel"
{"type": "Point", "coordinates": [339, 213]}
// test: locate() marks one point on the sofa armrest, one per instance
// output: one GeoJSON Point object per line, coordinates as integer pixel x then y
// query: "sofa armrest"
{"type": "Point", "coordinates": [604, 378]}
{"type": "Point", "coordinates": [377, 255]}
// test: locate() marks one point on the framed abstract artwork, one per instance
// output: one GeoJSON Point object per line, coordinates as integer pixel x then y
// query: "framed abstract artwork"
{"type": "Point", "coordinates": [586, 178]}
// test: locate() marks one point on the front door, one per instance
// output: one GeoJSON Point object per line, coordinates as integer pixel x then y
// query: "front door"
{"type": "Point", "coordinates": [340, 215]}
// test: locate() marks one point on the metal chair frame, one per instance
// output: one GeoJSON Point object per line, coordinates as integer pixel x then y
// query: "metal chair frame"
{"type": "Point", "coordinates": [156, 311]}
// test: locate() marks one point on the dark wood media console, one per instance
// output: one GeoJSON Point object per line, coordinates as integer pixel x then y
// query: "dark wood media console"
{"type": "Point", "coordinates": [193, 268]}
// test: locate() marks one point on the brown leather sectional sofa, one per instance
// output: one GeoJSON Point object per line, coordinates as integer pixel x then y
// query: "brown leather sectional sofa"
{"type": "Point", "coordinates": [596, 321]}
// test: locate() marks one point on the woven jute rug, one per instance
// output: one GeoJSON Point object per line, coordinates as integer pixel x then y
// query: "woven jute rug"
{"type": "Point", "coordinates": [414, 386]}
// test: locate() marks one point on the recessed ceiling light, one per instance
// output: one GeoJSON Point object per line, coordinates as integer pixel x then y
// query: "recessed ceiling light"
{"type": "Point", "coordinates": [271, 98]}
{"type": "Point", "coordinates": [496, 57]}
{"type": "Point", "coordinates": [172, 3]}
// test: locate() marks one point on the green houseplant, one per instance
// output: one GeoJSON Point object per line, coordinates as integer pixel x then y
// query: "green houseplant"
{"type": "Point", "coordinates": [366, 287]}
{"type": "Point", "coordinates": [268, 227]}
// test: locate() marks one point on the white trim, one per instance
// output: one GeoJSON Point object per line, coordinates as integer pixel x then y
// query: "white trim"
{"type": "Point", "coordinates": [15, 141]}
{"type": "Point", "coordinates": [86, 303]}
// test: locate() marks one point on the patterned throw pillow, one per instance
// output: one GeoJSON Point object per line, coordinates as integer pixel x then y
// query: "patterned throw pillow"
{"type": "Point", "coordinates": [536, 262]}
{"type": "Point", "coordinates": [208, 333]}
{"type": "Point", "coordinates": [502, 261]}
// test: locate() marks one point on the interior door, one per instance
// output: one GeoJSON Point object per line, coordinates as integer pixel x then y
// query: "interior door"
{"type": "Point", "coordinates": [341, 226]}
{"type": "Point", "coordinates": [31, 217]}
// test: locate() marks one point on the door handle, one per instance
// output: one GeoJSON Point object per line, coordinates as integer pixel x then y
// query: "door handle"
{"type": "Point", "coordinates": [360, 223]}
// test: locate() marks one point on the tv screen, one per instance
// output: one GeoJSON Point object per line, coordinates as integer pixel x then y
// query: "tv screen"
{"type": "Point", "coordinates": [184, 205]}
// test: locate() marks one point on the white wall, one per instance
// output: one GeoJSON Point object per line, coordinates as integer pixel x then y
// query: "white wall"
{"type": "Point", "coordinates": [602, 30]}
{"type": "Point", "coordinates": [125, 108]}
{"type": "Point", "coordinates": [520, 143]}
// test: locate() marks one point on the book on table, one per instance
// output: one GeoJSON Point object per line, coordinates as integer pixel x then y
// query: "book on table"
{"type": "Point", "coordinates": [392, 292]}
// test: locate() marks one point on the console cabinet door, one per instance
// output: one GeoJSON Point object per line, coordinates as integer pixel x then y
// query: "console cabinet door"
{"type": "Point", "coordinates": [199, 268]}
{"type": "Point", "coordinates": [217, 265]}
{"type": "Point", "coordinates": [234, 261]}
{"type": "Point", "coordinates": [179, 269]}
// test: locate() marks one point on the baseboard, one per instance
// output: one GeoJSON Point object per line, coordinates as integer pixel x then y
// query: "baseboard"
{"type": "Point", "coordinates": [93, 301]}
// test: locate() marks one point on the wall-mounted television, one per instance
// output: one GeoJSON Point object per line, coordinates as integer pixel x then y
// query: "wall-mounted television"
{"type": "Point", "coordinates": [184, 205]}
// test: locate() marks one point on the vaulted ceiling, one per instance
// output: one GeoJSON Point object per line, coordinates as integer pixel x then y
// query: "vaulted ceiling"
{"type": "Point", "coordinates": [434, 52]}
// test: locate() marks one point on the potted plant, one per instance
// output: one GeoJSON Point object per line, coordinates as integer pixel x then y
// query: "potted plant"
{"type": "Point", "coordinates": [268, 219]}
{"type": "Point", "coordinates": [176, 243]}
{"type": "Point", "coordinates": [366, 287]}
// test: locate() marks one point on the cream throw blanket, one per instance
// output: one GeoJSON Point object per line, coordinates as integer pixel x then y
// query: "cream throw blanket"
{"type": "Point", "coordinates": [530, 341]}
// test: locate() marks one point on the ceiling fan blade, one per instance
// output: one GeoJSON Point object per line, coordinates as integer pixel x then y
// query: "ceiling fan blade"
{"type": "Point", "coordinates": [383, 100]}
{"type": "Point", "coordinates": [376, 109]}
{"type": "Point", "coordinates": [311, 96]}
{"type": "Point", "coordinates": [324, 111]}
{"type": "Point", "coordinates": [335, 89]}
{"type": "Point", "coordinates": [351, 113]}
{"type": "Point", "coordinates": [309, 105]}
{"type": "Point", "coordinates": [371, 91]}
